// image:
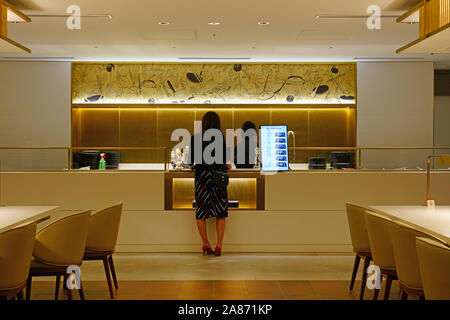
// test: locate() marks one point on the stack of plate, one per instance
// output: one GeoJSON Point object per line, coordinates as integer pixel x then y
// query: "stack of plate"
{"type": "Point", "coordinates": [89, 158]}
{"type": "Point", "coordinates": [317, 163]}
{"type": "Point", "coordinates": [341, 160]}
{"type": "Point", "coordinates": [112, 159]}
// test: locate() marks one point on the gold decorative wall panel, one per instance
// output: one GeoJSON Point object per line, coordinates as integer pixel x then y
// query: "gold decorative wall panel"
{"type": "Point", "coordinates": [150, 127]}
{"type": "Point", "coordinates": [164, 83]}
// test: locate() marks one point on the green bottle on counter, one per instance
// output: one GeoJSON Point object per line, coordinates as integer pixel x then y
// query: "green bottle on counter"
{"type": "Point", "coordinates": [102, 163]}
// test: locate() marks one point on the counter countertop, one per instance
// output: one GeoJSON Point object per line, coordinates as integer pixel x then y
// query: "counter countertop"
{"type": "Point", "coordinates": [294, 167]}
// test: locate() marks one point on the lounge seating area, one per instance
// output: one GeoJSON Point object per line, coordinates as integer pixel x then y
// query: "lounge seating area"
{"type": "Point", "coordinates": [59, 250]}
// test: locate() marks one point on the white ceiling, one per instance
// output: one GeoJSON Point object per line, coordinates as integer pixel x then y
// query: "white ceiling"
{"type": "Point", "coordinates": [292, 35]}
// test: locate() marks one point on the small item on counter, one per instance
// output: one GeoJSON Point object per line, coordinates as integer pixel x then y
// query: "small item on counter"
{"type": "Point", "coordinates": [179, 161]}
{"type": "Point", "coordinates": [186, 155]}
{"type": "Point", "coordinates": [257, 159]}
{"type": "Point", "coordinates": [102, 162]}
{"type": "Point", "coordinates": [173, 158]}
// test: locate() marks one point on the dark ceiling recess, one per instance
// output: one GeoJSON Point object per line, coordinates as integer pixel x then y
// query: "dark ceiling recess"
{"type": "Point", "coordinates": [442, 82]}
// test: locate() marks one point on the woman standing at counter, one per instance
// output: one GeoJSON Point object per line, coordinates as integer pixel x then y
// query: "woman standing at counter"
{"type": "Point", "coordinates": [211, 197]}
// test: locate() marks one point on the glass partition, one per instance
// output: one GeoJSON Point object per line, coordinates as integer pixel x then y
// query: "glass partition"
{"type": "Point", "coordinates": [35, 158]}
{"type": "Point", "coordinates": [120, 158]}
{"type": "Point", "coordinates": [63, 159]}
{"type": "Point", "coordinates": [364, 158]}
{"type": "Point", "coordinates": [160, 158]}
{"type": "Point", "coordinates": [399, 158]}
{"type": "Point", "coordinates": [322, 158]}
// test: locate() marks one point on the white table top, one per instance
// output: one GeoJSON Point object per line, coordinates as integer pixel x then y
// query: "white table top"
{"type": "Point", "coordinates": [435, 221]}
{"type": "Point", "coordinates": [13, 216]}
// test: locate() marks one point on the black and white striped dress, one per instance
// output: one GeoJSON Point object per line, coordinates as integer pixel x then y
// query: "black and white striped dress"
{"type": "Point", "coordinates": [211, 199]}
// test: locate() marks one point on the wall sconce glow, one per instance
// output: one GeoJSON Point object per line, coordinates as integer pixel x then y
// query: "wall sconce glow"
{"type": "Point", "coordinates": [238, 101]}
{"type": "Point", "coordinates": [79, 108]}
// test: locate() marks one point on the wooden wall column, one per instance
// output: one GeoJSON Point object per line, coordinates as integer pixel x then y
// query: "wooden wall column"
{"type": "Point", "coordinates": [3, 19]}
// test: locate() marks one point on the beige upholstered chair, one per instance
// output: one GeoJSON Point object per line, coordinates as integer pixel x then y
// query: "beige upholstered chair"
{"type": "Point", "coordinates": [434, 265]}
{"type": "Point", "coordinates": [360, 242]}
{"type": "Point", "coordinates": [102, 239]}
{"type": "Point", "coordinates": [404, 244]}
{"type": "Point", "coordinates": [16, 248]}
{"type": "Point", "coordinates": [58, 246]}
{"type": "Point", "coordinates": [378, 227]}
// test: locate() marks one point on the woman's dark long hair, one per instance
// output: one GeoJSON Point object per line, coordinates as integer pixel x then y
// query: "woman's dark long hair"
{"type": "Point", "coordinates": [211, 120]}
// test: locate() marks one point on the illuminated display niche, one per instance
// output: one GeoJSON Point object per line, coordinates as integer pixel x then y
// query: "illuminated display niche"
{"type": "Point", "coordinates": [140, 104]}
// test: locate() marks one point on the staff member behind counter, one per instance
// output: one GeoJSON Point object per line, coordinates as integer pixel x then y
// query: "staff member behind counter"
{"type": "Point", "coordinates": [244, 152]}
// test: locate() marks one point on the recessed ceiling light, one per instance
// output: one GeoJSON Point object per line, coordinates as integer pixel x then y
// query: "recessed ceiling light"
{"type": "Point", "coordinates": [263, 23]}
{"type": "Point", "coordinates": [214, 23]}
{"type": "Point", "coordinates": [163, 23]}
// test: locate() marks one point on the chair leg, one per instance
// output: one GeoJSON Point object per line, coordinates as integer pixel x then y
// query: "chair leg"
{"type": "Point", "coordinates": [68, 290]}
{"type": "Point", "coordinates": [364, 277]}
{"type": "Point", "coordinates": [69, 294]}
{"type": "Point", "coordinates": [28, 290]}
{"type": "Point", "coordinates": [108, 276]}
{"type": "Point", "coordinates": [58, 283]}
{"type": "Point", "coordinates": [387, 289]}
{"type": "Point", "coordinates": [355, 271]}
{"type": "Point", "coordinates": [113, 272]}
{"type": "Point", "coordinates": [20, 295]}
{"type": "Point", "coordinates": [377, 291]}
{"type": "Point", "coordinates": [80, 291]}
{"type": "Point", "coordinates": [404, 295]}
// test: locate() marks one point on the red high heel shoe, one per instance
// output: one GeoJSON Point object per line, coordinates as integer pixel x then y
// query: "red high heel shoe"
{"type": "Point", "coordinates": [218, 252]}
{"type": "Point", "coordinates": [207, 250]}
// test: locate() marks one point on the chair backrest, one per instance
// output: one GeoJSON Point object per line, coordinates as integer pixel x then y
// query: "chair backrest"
{"type": "Point", "coordinates": [404, 244]}
{"type": "Point", "coordinates": [380, 240]}
{"type": "Point", "coordinates": [62, 243]}
{"type": "Point", "coordinates": [104, 228]}
{"type": "Point", "coordinates": [16, 249]}
{"type": "Point", "coordinates": [358, 230]}
{"type": "Point", "coordinates": [434, 265]}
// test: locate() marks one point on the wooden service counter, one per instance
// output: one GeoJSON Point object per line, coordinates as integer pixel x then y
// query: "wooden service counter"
{"type": "Point", "coordinates": [295, 211]}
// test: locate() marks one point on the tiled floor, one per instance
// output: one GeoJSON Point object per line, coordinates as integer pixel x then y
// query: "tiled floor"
{"type": "Point", "coordinates": [216, 289]}
{"type": "Point", "coordinates": [232, 276]}
{"type": "Point", "coordinates": [147, 267]}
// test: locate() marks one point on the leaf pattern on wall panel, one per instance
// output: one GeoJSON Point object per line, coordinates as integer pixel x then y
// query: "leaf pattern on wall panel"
{"type": "Point", "coordinates": [170, 83]}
